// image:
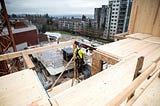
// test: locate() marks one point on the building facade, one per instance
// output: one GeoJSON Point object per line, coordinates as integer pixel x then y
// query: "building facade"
{"type": "Point", "coordinates": [118, 17]}
{"type": "Point", "coordinates": [100, 16]}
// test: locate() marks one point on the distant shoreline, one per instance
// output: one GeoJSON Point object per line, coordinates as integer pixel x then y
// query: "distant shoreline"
{"type": "Point", "coordinates": [91, 16]}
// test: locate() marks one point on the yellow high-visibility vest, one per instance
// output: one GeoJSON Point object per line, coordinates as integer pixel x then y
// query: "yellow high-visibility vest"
{"type": "Point", "coordinates": [80, 53]}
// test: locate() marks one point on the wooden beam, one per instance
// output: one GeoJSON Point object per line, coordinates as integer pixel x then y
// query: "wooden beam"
{"type": "Point", "coordinates": [106, 57]}
{"type": "Point", "coordinates": [120, 36]}
{"type": "Point", "coordinates": [75, 72]}
{"type": "Point", "coordinates": [132, 17]}
{"type": "Point", "coordinates": [35, 50]}
{"type": "Point", "coordinates": [138, 68]}
{"type": "Point", "coordinates": [85, 45]}
{"type": "Point", "coordinates": [28, 62]}
{"type": "Point", "coordinates": [61, 74]}
{"type": "Point", "coordinates": [131, 87]}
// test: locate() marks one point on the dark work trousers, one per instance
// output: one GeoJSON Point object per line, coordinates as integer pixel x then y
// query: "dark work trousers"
{"type": "Point", "coordinates": [79, 64]}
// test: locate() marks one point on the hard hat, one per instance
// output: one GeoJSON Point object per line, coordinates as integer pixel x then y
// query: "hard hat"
{"type": "Point", "coordinates": [80, 44]}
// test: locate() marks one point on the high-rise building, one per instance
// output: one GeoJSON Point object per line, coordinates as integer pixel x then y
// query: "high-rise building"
{"type": "Point", "coordinates": [97, 15]}
{"type": "Point", "coordinates": [118, 17]}
{"type": "Point", "coordinates": [104, 14]}
{"type": "Point", "coordinates": [100, 15]}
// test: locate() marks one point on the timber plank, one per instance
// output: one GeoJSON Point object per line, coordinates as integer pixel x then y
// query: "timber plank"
{"type": "Point", "coordinates": [28, 62]}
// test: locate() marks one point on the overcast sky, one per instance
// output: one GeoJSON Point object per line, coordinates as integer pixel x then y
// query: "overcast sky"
{"type": "Point", "coordinates": [53, 7]}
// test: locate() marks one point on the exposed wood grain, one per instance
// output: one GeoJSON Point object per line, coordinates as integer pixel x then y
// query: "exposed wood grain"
{"type": "Point", "coordinates": [35, 50]}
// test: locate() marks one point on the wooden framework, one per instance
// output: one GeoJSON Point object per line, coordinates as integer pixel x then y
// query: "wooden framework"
{"type": "Point", "coordinates": [98, 58]}
{"type": "Point", "coordinates": [112, 57]}
{"type": "Point", "coordinates": [35, 50]}
{"type": "Point", "coordinates": [6, 41]}
{"type": "Point", "coordinates": [114, 85]}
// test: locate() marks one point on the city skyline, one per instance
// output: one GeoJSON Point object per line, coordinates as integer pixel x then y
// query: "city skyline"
{"type": "Point", "coordinates": [54, 7]}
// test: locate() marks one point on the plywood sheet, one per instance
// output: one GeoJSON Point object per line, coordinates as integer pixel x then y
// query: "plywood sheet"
{"type": "Point", "coordinates": [20, 88]}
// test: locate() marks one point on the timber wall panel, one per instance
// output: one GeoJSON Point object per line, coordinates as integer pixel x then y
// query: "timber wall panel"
{"type": "Point", "coordinates": [145, 17]}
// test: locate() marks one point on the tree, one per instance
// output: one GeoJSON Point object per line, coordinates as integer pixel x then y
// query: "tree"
{"type": "Point", "coordinates": [72, 17]}
{"type": "Point", "coordinates": [44, 28]}
{"type": "Point", "coordinates": [83, 18]}
{"type": "Point", "coordinates": [14, 16]}
{"type": "Point", "coordinates": [46, 15]}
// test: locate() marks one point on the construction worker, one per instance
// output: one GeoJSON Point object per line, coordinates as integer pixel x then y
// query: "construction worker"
{"type": "Point", "coordinates": [79, 53]}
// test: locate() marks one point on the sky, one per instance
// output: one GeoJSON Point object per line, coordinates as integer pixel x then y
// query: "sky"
{"type": "Point", "coordinates": [53, 7]}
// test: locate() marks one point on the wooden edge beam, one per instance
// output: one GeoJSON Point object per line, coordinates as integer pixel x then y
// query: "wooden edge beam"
{"type": "Point", "coordinates": [122, 96]}
{"type": "Point", "coordinates": [113, 59]}
{"type": "Point", "coordinates": [86, 45]}
{"type": "Point", "coordinates": [35, 50]}
{"type": "Point", "coordinates": [136, 74]}
{"type": "Point", "coordinates": [97, 61]}
{"type": "Point", "coordinates": [121, 36]}
{"type": "Point", "coordinates": [28, 62]}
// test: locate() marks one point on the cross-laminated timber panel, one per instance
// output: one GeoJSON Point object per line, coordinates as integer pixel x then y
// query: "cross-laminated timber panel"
{"type": "Point", "coordinates": [100, 88]}
{"type": "Point", "coordinates": [145, 17]}
{"type": "Point", "coordinates": [105, 85]}
{"type": "Point", "coordinates": [21, 88]}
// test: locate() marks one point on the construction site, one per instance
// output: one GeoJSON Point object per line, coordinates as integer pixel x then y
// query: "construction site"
{"type": "Point", "coordinates": [125, 72]}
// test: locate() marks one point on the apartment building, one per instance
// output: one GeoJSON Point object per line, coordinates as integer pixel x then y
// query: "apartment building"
{"type": "Point", "coordinates": [100, 15]}
{"type": "Point", "coordinates": [118, 17]}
